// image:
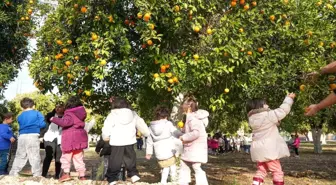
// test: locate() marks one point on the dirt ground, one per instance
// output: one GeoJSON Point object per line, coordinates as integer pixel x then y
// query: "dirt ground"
{"type": "Point", "coordinates": [227, 169]}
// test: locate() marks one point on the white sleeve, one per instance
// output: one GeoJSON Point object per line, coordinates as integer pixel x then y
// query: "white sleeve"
{"type": "Point", "coordinates": [149, 146]}
{"type": "Point", "coordinates": [280, 113]}
{"type": "Point", "coordinates": [107, 128]}
{"type": "Point", "coordinates": [90, 124]}
{"type": "Point", "coordinates": [174, 131]}
{"type": "Point", "coordinates": [142, 126]}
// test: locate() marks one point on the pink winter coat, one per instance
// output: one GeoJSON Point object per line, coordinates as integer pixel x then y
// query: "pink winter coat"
{"type": "Point", "coordinates": [74, 136]}
{"type": "Point", "coordinates": [296, 143]}
{"type": "Point", "coordinates": [195, 147]}
{"type": "Point", "coordinates": [267, 144]}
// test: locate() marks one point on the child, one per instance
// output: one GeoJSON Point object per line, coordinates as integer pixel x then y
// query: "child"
{"type": "Point", "coordinates": [74, 137]}
{"type": "Point", "coordinates": [214, 145]}
{"type": "Point", "coordinates": [161, 139]}
{"type": "Point", "coordinates": [195, 145]}
{"type": "Point", "coordinates": [30, 124]}
{"type": "Point", "coordinates": [267, 145]}
{"type": "Point", "coordinates": [6, 138]}
{"type": "Point", "coordinates": [139, 140]}
{"type": "Point", "coordinates": [103, 148]}
{"type": "Point", "coordinates": [296, 145]}
{"type": "Point", "coordinates": [120, 129]}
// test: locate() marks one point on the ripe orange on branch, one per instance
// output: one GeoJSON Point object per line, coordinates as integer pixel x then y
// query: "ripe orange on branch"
{"type": "Point", "coordinates": [146, 17]}
{"type": "Point", "coordinates": [149, 42]}
{"type": "Point", "coordinates": [83, 9]}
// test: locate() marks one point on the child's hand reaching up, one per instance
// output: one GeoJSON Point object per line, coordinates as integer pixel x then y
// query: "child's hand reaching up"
{"type": "Point", "coordinates": [292, 95]}
{"type": "Point", "coordinates": [148, 156]}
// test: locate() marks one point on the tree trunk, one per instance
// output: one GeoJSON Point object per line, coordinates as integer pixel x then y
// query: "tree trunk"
{"type": "Point", "coordinates": [176, 114]}
{"type": "Point", "coordinates": [306, 134]}
{"type": "Point", "coordinates": [316, 133]}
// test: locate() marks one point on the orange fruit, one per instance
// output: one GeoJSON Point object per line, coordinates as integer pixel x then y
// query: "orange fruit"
{"type": "Point", "coordinates": [197, 29]}
{"type": "Point", "coordinates": [94, 37]}
{"type": "Point", "coordinates": [87, 93]}
{"type": "Point", "coordinates": [102, 63]}
{"type": "Point", "coordinates": [151, 26]}
{"type": "Point", "coordinates": [332, 45]}
{"type": "Point", "coordinates": [147, 17]}
{"type": "Point", "coordinates": [332, 86]}
{"type": "Point", "coordinates": [76, 6]}
{"type": "Point", "coordinates": [249, 53]}
{"type": "Point", "coordinates": [139, 15]}
{"type": "Point", "coordinates": [226, 90]}
{"type": "Point", "coordinates": [321, 44]}
{"type": "Point", "coordinates": [76, 57]}
{"type": "Point", "coordinates": [171, 81]}
{"type": "Point", "coordinates": [272, 17]}
{"type": "Point", "coordinates": [262, 11]}
{"type": "Point", "coordinates": [27, 18]}
{"type": "Point", "coordinates": [167, 66]}
{"type": "Point", "coordinates": [233, 4]}
{"type": "Point", "coordinates": [143, 46]}
{"type": "Point", "coordinates": [175, 79]}
{"type": "Point", "coordinates": [169, 75]}
{"type": "Point", "coordinates": [69, 41]}
{"type": "Point", "coordinates": [209, 31]}
{"type": "Point", "coordinates": [254, 3]}
{"type": "Point", "coordinates": [196, 56]}
{"type": "Point", "coordinates": [183, 54]}
{"type": "Point", "coordinates": [68, 63]}
{"type": "Point", "coordinates": [163, 69]}
{"type": "Point", "coordinates": [22, 18]}
{"type": "Point", "coordinates": [306, 42]}
{"type": "Point", "coordinates": [59, 42]}
{"type": "Point", "coordinates": [59, 71]}
{"type": "Point", "coordinates": [310, 33]}
{"type": "Point", "coordinates": [60, 55]}
{"type": "Point", "coordinates": [156, 75]}
{"type": "Point", "coordinates": [177, 8]}
{"type": "Point", "coordinates": [180, 124]}
{"type": "Point", "coordinates": [97, 18]}
{"type": "Point", "coordinates": [169, 89]}
{"type": "Point", "coordinates": [226, 54]}
{"type": "Point", "coordinates": [241, 30]}
{"type": "Point", "coordinates": [246, 7]}
{"type": "Point", "coordinates": [30, 11]}
{"type": "Point", "coordinates": [110, 18]}
{"type": "Point", "coordinates": [260, 50]}
{"type": "Point", "coordinates": [65, 68]}
{"type": "Point", "coordinates": [287, 23]}
{"type": "Point", "coordinates": [65, 50]}
{"type": "Point", "coordinates": [149, 42]}
{"type": "Point", "coordinates": [127, 22]}
{"type": "Point", "coordinates": [83, 9]}
{"type": "Point", "coordinates": [302, 87]}
{"type": "Point", "coordinates": [242, 2]}
{"type": "Point", "coordinates": [69, 75]}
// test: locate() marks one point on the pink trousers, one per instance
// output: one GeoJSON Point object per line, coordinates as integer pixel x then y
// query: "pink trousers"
{"type": "Point", "coordinates": [78, 159]}
{"type": "Point", "coordinates": [270, 166]}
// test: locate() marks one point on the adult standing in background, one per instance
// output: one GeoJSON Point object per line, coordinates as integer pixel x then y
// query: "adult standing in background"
{"type": "Point", "coordinates": [51, 136]}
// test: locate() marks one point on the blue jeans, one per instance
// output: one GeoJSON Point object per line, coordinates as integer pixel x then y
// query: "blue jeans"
{"type": "Point", "coordinates": [3, 160]}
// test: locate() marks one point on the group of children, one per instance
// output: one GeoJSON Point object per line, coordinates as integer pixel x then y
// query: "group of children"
{"type": "Point", "coordinates": [119, 137]}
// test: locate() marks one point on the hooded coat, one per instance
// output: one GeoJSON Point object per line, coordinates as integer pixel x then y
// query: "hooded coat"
{"type": "Point", "coordinates": [161, 139]}
{"type": "Point", "coordinates": [74, 136]}
{"type": "Point", "coordinates": [195, 147]}
{"type": "Point", "coordinates": [267, 144]}
{"type": "Point", "coordinates": [120, 127]}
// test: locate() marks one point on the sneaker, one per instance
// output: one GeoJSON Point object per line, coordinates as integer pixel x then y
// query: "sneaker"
{"type": "Point", "coordinates": [135, 178]}
{"type": "Point", "coordinates": [297, 156]}
{"type": "Point", "coordinates": [113, 183]}
{"type": "Point", "coordinates": [65, 177]}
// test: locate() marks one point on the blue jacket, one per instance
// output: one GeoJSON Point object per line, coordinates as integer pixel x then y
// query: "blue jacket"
{"type": "Point", "coordinates": [31, 122]}
{"type": "Point", "coordinates": [5, 135]}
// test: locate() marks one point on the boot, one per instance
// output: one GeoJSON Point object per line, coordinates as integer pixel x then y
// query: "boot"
{"type": "Point", "coordinates": [278, 183]}
{"type": "Point", "coordinates": [257, 181]}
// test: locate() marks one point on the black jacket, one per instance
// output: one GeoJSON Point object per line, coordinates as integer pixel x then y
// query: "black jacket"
{"type": "Point", "coordinates": [103, 147]}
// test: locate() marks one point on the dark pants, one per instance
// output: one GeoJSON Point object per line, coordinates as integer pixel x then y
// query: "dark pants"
{"type": "Point", "coordinates": [121, 155]}
{"type": "Point", "coordinates": [3, 161]}
{"type": "Point", "coordinates": [139, 144]}
{"type": "Point", "coordinates": [52, 151]}
{"type": "Point", "coordinates": [296, 150]}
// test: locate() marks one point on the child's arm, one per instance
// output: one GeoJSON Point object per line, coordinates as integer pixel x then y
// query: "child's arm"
{"type": "Point", "coordinates": [195, 131]}
{"type": "Point", "coordinates": [142, 127]}
{"type": "Point", "coordinates": [66, 121]}
{"type": "Point", "coordinates": [149, 147]}
{"type": "Point", "coordinates": [280, 113]}
{"type": "Point", "coordinates": [41, 121]}
{"type": "Point", "coordinates": [5, 134]}
{"type": "Point", "coordinates": [108, 126]}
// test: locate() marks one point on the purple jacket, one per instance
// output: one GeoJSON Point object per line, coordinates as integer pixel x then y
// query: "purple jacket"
{"type": "Point", "coordinates": [74, 137]}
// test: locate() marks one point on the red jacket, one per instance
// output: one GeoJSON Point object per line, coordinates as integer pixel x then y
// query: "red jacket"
{"type": "Point", "coordinates": [74, 136]}
{"type": "Point", "coordinates": [296, 143]}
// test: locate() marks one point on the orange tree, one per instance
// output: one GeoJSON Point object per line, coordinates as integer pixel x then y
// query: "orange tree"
{"type": "Point", "coordinates": [152, 50]}
{"type": "Point", "coordinates": [16, 25]}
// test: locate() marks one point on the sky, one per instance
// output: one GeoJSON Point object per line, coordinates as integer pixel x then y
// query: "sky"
{"type": "Point", "coordinates": [23, 83]}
